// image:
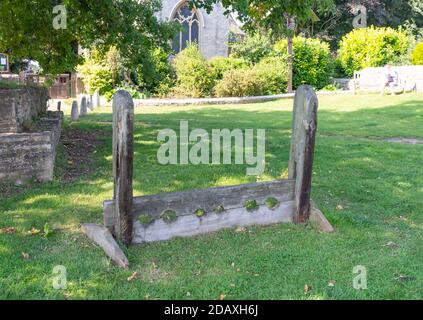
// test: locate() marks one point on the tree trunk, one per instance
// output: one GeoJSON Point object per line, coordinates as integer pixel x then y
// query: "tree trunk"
{"type": "Point", "coordinates": [290, 64]}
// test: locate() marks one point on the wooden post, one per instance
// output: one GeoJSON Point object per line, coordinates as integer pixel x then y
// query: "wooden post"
{"type": "Point", "coordinates": [59, 105]}
{"type": "Point", "coordinates": [123, 156]}
{"type": "Point", "coordinates": [302, 149]}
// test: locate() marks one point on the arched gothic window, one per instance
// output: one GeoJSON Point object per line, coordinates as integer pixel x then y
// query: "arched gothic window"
{"type": "Point", "coordinates": [190, 31]}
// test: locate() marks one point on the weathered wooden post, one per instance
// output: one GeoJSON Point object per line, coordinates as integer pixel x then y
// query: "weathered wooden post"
{"type": "Point", "coordinates": [302, 149]}
{"type": "Point", "coordinates": [123, 156]}
{"type": "Point", "coordinates": [74, 111]}
{"type": "Point", "coordinates": [84, 110]}
{"type": "Point", "coordinates": [59, 105]}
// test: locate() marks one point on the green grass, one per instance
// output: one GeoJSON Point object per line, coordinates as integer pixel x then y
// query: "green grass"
{"type": "Point", "coordinates": [370, 190]}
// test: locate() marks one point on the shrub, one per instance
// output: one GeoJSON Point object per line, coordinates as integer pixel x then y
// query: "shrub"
{"type": "Point", "coordinates": [252, 48]}
{"type": "Point", "coordinates": [269, 76]}
{"type": "Point", "coordinates": [97, 73]}
{"type": "Point", "coordinates": [157, 77]}
{"type": "Point", "coordinates": [417, 55]}
{"type": "Point", "coordinates": [312, 63]}
{"type": "Point", "coordinates": [220, 65]}
{"type": "Point", "coordinates": [194, 77]}
{"type": "Point", "coordinates": [273, 75]}
{"type": "Point", "coordinates": [372, 47]}
{"type": "Point", "coordinates": [239, 83]}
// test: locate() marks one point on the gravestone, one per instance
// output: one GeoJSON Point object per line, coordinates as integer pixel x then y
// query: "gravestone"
{"type": "Point", "coordinates": [74, 111]}
{"type": "Point", "coordinates": [84, 109]}
{"type": "Point", "coordinates": [96, 99]}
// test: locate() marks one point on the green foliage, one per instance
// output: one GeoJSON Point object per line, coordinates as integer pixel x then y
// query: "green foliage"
{"type": "Point", "coordinates": [145, 219]}
{"type": "Point", "coordinates": [269, 14]}
{"type": "Point", "coordinates": [372, 47]}
{"type": "Point", "coordinates": [267, 77]}
{"type": "Point", "coordinates": [220, 65]}
{"type": "Point", "coordinates": [417, 55]}
{"type": "Point", "coordinates": [193, 74]}
{"type": "Point", "coordinates": [251, 205]}
{"type": "Point", "coordinates": [312, 63]}
{"type": "Point", "coordinates": [26, 30]}
{"type": "Point", "coordinates": [200, 213]}
{"type": "Point", "coordinates": [272, 202]}
{"type": "Point", "coordinates": [158, 77]}
{"type": "Point", "coordinates": [239, 83]}
{"type": "Point", "coordinates": [251, 48]}
{"type": "Point", "coordinates": [169, 216]}
{"type": "Point", "coordinates": [273, 76]}
{"type": "Point", "coordinates": [98, 73]}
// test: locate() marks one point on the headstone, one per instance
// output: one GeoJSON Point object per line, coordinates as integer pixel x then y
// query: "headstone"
{"type": "Point", "coordinates": [84, 109]}
{"type": "Point", "coordinates": [74, 111]}
{"type": "Point", "coordinates": [90, 102]}
{"type": "Point", "coordinates": [96, 99]}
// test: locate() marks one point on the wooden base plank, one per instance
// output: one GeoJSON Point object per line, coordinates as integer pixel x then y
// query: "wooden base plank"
{"type": "Point", "coordinates": [320, 220]}
{"type": "Point", "coordinates": [191, 225]}
{"type": "Point", "coordinates": [101, 236]}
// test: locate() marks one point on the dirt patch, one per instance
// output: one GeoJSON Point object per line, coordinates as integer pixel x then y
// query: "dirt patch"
{"type": "Point", "coordinates": [79, 148]}
{"type": "Point", "coordinates": [405, 140]}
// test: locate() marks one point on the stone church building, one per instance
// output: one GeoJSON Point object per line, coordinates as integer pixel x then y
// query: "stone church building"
{"type": "Point", "coordinates": [210, 31]}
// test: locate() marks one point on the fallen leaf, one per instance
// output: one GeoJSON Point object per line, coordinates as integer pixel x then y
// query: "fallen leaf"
{"type": "Point", "coordinates": [405, 278]}
{"type": "Point", "coordinates": [25, 255]}
{"type": "Point", "coordinates": [222, 297]}
{"type": "Point", "coordinates": [8, 230]}
{"type": "Point", "coordinates": [34, 231]}
{"type": "Point", "coordinates": [331, 283]}
{"type": "Point", "coordinates": [233, 265]}
{"type": "Point", "coordinates": [307, 289]}
{"type": "Point", "coordinates": [132, 277]}
{"type": "Point", "coordinates": [188, 294]}
{"type": "Point", "coordinates": [339, 207]}
{"type": "Point", "coordinates": [240, 229]}
{"type": "Point", "coordinates": [392, 245]}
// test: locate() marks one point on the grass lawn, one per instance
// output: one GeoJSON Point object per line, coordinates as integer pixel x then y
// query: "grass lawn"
{"type": "Point", "coordinates": [370, 190]}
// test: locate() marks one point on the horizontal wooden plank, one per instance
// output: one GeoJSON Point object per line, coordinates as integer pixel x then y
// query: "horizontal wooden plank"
{"type": "Point", "coordinates": [187, 202]}
{"type": "Point", "coordinates": [191, 225]}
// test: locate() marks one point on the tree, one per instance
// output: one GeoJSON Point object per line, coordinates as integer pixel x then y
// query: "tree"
{"type": "Point", "coordinates": [27, 31]}
{"type": "Point", "coordinates": [333, 25]}
{"type": "Point", "coordinates": [282, 17]}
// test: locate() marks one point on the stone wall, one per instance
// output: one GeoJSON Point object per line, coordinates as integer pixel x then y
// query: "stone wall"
{"type": "Point", "coordinates": [18, 106]}
{"type": "Point", "coordinates": [25, 156]}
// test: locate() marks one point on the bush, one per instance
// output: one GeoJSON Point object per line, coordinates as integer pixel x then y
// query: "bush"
{"type": "Point", "coordinates": [158, 76]}
{"type": "Point", "coordinates": [220, 65]}
{"type": "Point", "coordinates": [267, 77]}
{"type": "Point", "coordinates": [239, 83]}
{"type": "Point", "coordinates": [97, 73]}
{"type": "Point", "coordinates": [252, 48]}
{"type": "Point", "coordinates": [372, 47]}
{"type": "Point", "coordinates": [417, 55]}
{"type": "Point", "coordinates": [312, 63]}
{"type": "Point", "coordinates": [273, 75]}
{"type": "Point", "coordinates": [193, 74]}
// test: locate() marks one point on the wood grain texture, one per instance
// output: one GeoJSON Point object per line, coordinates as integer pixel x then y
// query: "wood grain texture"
{"type": "Point", "coordinates": [320, 220]}
{"type": "Point", "coordinates": [123, 158]}
{"type": "Point", "coordinates": [191, 225]}
{"type": "Point", "coordinates": [187, 202]}
{"type": "Point", "coordinates": [101, 236]}
{"type": "Point", "coordinates": [302, 149]}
